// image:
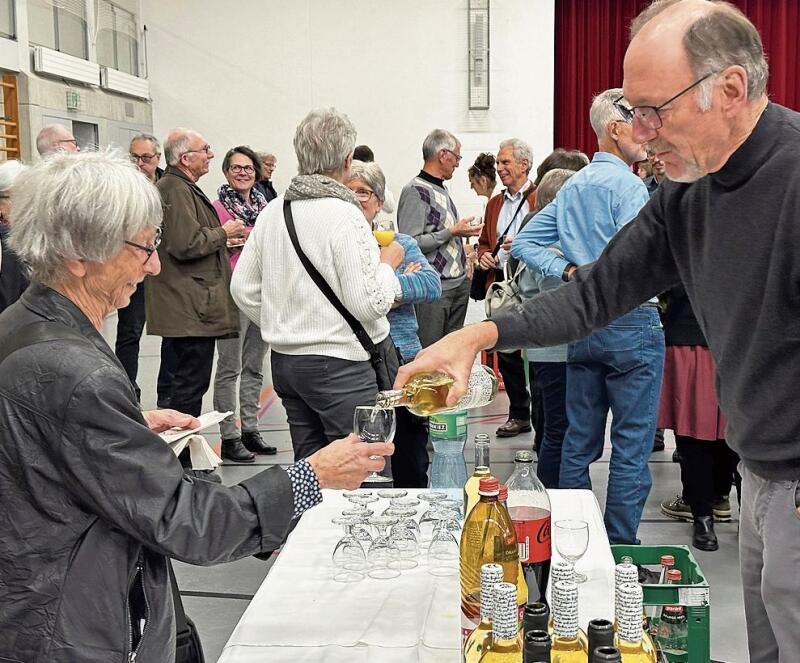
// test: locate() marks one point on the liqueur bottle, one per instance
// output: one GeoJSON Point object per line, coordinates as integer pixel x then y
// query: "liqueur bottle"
{"type": "Point", "coordinates": [568, 645]}
{"type": "Point", "coordinates": [633, 642]}
{"type": "Point", "coordinates": [504, 646]}
{"type": "Point", "coordinates": [491, 575]}
{"type": "Point", "coordinates": [487, 538]}
{"type": "Point", "coordinates": [481, 472]}
{"type": "Point", "coordinates": [529, 507]}
{"type": "Point", "coordinates": [522, 587]}
{"type": "Point", "coordinates": [426, 393]}
{"type": "Point", "coordinates": [673, 629]}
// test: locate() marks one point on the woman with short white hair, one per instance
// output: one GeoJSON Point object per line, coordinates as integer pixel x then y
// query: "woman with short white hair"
{"type": "Point", "coordinates": [95, 503]}
{"type": "Point", "coordinates": [320, 369]}
{"type": "Point", "coordinates": [13, 274]}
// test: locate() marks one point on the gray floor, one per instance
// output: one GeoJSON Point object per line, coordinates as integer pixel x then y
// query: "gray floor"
{"type": "Point", "coordinates": [216, 597]}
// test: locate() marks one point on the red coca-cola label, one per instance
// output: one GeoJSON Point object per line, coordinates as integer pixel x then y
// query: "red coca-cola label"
{"type": "Point", "coordinates": [533, 540]}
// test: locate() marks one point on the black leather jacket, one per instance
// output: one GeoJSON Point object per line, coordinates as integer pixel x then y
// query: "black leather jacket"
{"type": "Point", "coordinates": [93, 503]}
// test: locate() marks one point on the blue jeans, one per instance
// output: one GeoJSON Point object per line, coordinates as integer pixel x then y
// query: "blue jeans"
{"type": "Point", "coordinates": [551, 378]}
{"type": "Point", "coordinates": [619, 368]}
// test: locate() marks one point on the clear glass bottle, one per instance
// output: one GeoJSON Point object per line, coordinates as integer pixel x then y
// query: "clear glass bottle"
{"type": "Point", "coordinates": [491, 574]}
{"type": "Point", "coordinates": [504, 646]}
{"type": "Point", "coordinates": [673, 629]}
{"type": "Point", "coordinates": [426, 393]}
{"type": "Point", "coordinates": [487, 538]}
{"type": "Point", "coordinates": [633, 642]}
{"type": "Point", "coordinates": [568, 645]}
{"type": "Point", "coordinates": [654, 612]}
{"type": "Point", "coordinates": [529, 507]}
{"type": "Point", "coordinates": [481, 472]}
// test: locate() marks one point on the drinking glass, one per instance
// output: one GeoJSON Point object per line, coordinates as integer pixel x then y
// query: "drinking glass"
{"type": "Point", "coordinates": [361, 530]}
{"type": "Point", "coordinates": [443, 553]}
{"type": "Point", "coordinates": [404, 538]}
{"type": "Point", "coordinates": [383, 230]}
{"type": "Point", "coordinates": [383, 554]}
{"type": "Point", "coordinates": [572, 540]}
{"type": "Point", "coordinates": [392, 493]}
{"type": "Point", "coordinates": [372, 425]}
{"type": "Point", "coordinates": [348, 555]}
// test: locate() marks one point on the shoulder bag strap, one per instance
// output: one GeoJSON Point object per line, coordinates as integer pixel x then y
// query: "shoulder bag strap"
{"type": "Point", "coordinates": [358, 329]}
{"type": "Point", "coordinates": [510, 223]}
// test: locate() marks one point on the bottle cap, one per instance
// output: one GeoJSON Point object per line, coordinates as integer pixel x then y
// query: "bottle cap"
{"type": "Point", "coordinates": [535, 617]}
{"type": "Point", "coordinates": [489, 486]}
{"type": "Point", "coordinates": [537, 644]}
{"type": "Point", "coordinates": [626, 559]}
{"type": "Point", "coordinates": [523, 456]}
{"type": "Point", "coordinates": [502, 492]}
{"type": "Point", "coordinates": [667, 560]}
{"type": "Point", "coordinates": [481, 438]}
{"type": "Point", "coordinates": [606, 655]}
{"type": "Point", "coordinates": [601, 633]}
{"type": "Point", "coordinates": [674, 576]}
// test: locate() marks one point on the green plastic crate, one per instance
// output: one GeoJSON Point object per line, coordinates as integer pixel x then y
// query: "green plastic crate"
{"type": "Point", "coordinates": [693, 593]}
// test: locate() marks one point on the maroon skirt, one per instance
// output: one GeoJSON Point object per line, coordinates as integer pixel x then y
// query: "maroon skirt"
{"type": "Point", "coordinates": [688, 398]}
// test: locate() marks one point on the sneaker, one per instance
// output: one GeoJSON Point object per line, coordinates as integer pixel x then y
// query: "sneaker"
{"type": "Point", "coordinates": [678, 509]}
{"type": "Point", "coordinates": [722, 509]}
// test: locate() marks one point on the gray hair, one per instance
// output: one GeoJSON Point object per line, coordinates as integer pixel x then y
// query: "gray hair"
{"type": "Point", "coordinates": [371, 174]}
{"type": "Point", "coordinates": [82, 207]}
{"type": "Point", "coordinates": [549, 186]}
{"type": "Point", "coordinates": [522, 151]}
{"type": "Point", "coordinates": [47, 139]}
{"type": "Point", "coordinates": [721, 38]}
{"type": "Point", "coordinates": [176, 145]}
{"type": "Point", "coordinates": [263, 156]}
{"type": "Point", "coordinates": [603, 111]}
{"type": "Point", "coordinates": [8, 174]}
{"type": "Point", "coordinates": [151, 138]}
{"type": "Point", "coordinates": [323, 141]}
{"type": "Point", "coordinates": [438, 139]}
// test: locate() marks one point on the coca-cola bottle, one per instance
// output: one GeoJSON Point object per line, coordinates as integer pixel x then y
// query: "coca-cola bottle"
{"type": "Point", "coordinates": [529, 508]}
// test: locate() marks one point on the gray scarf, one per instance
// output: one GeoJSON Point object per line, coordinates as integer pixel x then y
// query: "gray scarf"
{"type": "Point", "coordinates": [305, 187]}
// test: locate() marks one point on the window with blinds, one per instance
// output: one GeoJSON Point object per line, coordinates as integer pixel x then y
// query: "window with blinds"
{"type": "Point", "coordinates": [117, 37]}
{"type": "Point", "coordinates": [60, 25]}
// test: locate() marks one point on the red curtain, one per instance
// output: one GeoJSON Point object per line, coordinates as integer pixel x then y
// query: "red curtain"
{"type": "Point", "coordinates": [590, 41]}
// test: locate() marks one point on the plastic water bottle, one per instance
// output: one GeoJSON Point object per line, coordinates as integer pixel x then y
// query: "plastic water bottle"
{"type": "Point", "coordinates": [448, 435]}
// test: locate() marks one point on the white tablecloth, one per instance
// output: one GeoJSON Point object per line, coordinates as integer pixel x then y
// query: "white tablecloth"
{"type": "Point", "coordinates": [300, 614]}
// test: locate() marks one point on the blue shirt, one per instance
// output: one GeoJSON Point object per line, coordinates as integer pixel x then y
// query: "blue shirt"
{"type": "Point", "coordinates": [588, 211]}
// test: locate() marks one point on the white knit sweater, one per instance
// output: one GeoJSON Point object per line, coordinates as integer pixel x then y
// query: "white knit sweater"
{"type": "Point", "coordinates": [271, 286]}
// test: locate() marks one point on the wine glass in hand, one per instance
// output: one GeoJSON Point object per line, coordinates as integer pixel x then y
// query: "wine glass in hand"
{"type": "Point", "coordinates": [572, 540]}
{"type": "Point", "coordinates": [371, 425]}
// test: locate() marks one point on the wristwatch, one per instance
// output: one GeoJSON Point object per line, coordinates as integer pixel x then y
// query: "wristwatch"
{"type": "Point", "coordinates": [566, 273]}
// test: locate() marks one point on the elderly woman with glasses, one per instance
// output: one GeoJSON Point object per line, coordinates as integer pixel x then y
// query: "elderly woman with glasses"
{"type": "Point", "coordinates": [320, 369]}
{"type": "Point", "coordinates": [95, 503]}
{"type": "Point", "coordinates": [419, 282]}
{"type": "Point", "coordinates": [240, 358]}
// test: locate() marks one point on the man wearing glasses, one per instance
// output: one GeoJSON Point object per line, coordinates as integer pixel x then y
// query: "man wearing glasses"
{"type": "Point", "coordinates": [619, 367]}
{"type": "Point", "coordinates": [188, 304]}
{"type": "Point", "coordinates": [55, 138]}
{"type": "Point", "coordinates": [145, 153]}
{"type": "Point", "coordinates": [726, 227]}
{"type": "Point", "coordinates": [427, 213]}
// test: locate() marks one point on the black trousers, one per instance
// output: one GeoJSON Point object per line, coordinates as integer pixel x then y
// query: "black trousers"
{"type": "Point", "coordinates": [512, 368]}
{"type": "Point", "coordinates": [410, 460]}
{"type": "Point", "coordinates": [191, 373]}
{"type": "Point", "coordinates": [165, 373]}
{"type": "Point", "coordinates": [130, 326]}
{"type": "Point", "coordinates": [708, 469]}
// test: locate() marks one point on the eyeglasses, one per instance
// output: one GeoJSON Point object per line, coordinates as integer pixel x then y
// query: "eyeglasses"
{"type": "Point", "coordinates": [648, 115]}
{"type": "Point", "coordinates": [206, 148]}
{"type": "Point", "coordinates": [457, 157]}
{"type": "Point", "coordinates": [236, 168]}
{"type": "Point", "coordinates": [143, 157]}
{"type": "Point", "coordinates": [74, 141]}
{"type": "Point", "coordinates": [149, 250]}
{"type": "Point", "coordinates": [364, 195]}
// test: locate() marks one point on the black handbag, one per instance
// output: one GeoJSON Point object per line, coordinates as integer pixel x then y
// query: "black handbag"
{"type": "Point", "coordinates": [188, 648]}
{"type": "Point", "coordinates": [478, 287]}
{"type": "Point", "coordinates": [383, 356]}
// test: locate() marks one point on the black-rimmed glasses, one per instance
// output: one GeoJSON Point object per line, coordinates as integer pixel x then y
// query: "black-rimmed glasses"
{"type": "Point", "coordinates": [236, 168]}
{"type": "Point", "coordinates": [143, 157]}
{"type": "Point", "coordinates": [457, 157]}
{"type": "Point", "coordinates": [363, 194]}
{"type": "Point", "coordinates": [649, 115]}
{"type": "Point", "coordinates": [149, 250]}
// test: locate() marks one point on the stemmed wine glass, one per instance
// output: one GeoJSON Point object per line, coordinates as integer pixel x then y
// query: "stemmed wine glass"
{"type": "Point", "coordinates": [373, 425]}
{"type": "Point", "coordinates": [572, 540]}
{"type": "Point", "coordinates": [348, 555]}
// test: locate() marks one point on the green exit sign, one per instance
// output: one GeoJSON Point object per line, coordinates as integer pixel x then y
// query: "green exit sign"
{"type": "Point", "coordinates": [73, 100]}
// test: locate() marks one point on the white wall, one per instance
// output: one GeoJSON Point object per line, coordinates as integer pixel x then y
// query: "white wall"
{"type": "Point", "coordinates": [247, 72]}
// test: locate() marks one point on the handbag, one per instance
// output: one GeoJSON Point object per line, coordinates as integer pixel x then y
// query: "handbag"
{"type": "Point", "coordinates": [477, 289]}
{"type": "Point", "coordinates": [502, 295]}
{"type": "Point", "coordinates": [383, 356]}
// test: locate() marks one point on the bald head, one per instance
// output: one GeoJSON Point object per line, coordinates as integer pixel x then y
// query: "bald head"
{"type": "Point", "coordinates": [55, 138]}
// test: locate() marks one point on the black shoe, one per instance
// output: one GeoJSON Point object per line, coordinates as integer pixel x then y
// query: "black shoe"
{"type": "Point", "coordinates": [704, 537]}
{"type": "Point", "coordinates": [658, 440]}
{"type": "Point", "coordinates": [252, 441]}
{"type": "Point", "coordinates": [514, 427]}
{"type": "Point", "coordinates": [235, 451]}
{"type": "Point", "coordinates": [203, 475]}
